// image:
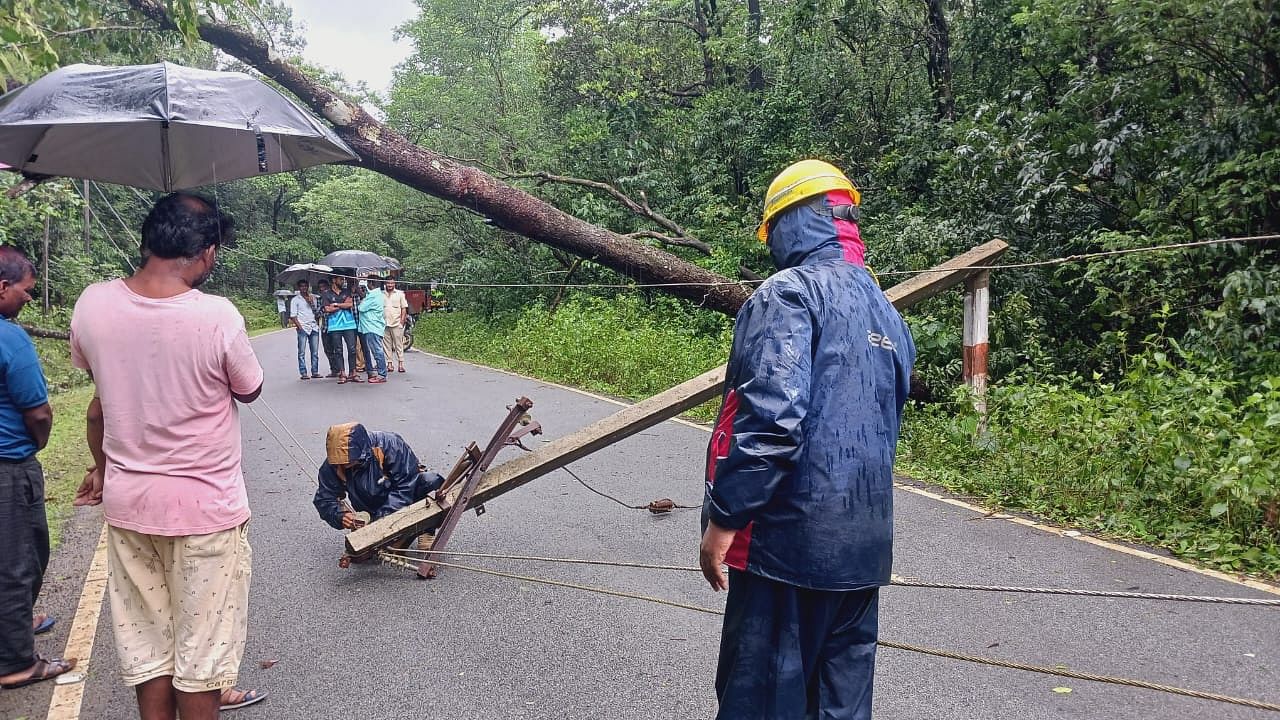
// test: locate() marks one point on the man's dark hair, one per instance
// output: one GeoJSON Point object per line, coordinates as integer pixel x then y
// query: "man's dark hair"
{"type": "Point", "coordinates": [300, 283]}
{"type": "Point", "coordinates": [15, 266]}
{"type": "Point", "coordinates": [181, 225]}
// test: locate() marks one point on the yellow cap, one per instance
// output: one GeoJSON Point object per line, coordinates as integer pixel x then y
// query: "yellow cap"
{"type": "Point", "coordinates": [798, 182]}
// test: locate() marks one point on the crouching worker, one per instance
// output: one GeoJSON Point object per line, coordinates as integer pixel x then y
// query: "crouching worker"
{"type": "Point", "coordinates": [375, 472]}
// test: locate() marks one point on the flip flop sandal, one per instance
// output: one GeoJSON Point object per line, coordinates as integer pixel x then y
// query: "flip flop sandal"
{"type": "Point", "coordinates": [341, 380]}
{"type": "Point", "coordinates": [45, 625]}
{"type": "Point", "coordinates": [42, 672]}
{"type": "Point", "coordinates": [246, 698]}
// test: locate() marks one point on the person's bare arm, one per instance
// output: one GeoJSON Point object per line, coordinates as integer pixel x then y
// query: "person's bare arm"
{"type": "Point", "coordinates": [39, 421]}
{"type": "Point", "coordinates": [90, 490]}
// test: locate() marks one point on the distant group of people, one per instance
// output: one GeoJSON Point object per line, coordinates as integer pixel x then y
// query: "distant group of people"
{"type": "Point", "coordinates": [366, 323]}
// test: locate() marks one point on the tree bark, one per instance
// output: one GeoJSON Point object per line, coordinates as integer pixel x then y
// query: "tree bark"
{"type": "Point", "coordinates": [386, 151]}
{"type": "Point", "coordinates": [755, 75]}
{"type": "Point", "coordinates": [938, 40]}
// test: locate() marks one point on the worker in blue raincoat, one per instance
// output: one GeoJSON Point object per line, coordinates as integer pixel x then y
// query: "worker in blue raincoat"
{"type": "Point", "coordinates": [799, 477]}
{"type": "Point", "coordinates": [376, 472]}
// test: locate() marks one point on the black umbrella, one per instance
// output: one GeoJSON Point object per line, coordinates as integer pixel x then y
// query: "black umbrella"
{"type": "Point", "coordinates": [161, 127]}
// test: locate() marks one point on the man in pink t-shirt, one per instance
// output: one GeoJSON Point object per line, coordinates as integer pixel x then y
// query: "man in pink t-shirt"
{"type": "Point", "coordinates": [168, 361]}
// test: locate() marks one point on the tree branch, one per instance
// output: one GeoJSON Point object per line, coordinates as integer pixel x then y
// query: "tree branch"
{"type": "Point", "coordinates": [694, 243]}
{"type": "Point", "coordinates": [683, 238]}
{"type": "Point", "coordinates": [43, 333]}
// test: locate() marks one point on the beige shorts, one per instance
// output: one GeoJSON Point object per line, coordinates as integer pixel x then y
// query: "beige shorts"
{"type": "Point", "coordinates": [180, 606]}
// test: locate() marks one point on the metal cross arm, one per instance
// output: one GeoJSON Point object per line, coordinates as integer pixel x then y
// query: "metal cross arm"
{"type": "Point", "coordinates": [471, 476]}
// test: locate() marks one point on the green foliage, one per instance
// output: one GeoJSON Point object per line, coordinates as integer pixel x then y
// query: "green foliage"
{"type": "Point", "coordinates": [259, 314]}
{"type": "Point", "coordinates": [624, 347]}
{"type": "Point", "coordinates": [1178, 453]}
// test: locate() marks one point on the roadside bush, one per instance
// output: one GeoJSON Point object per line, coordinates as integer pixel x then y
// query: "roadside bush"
{"type": "Point", "coordinates": [1180, 453]}
{"type": "Point", "coordinates": [624, 347]}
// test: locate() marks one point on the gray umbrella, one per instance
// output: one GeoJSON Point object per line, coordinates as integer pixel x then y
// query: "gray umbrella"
{"type": "Point", "coordinates": [161, 127]}
{"type": "Point", "coordinates": [311, 272]}
{"type": "Point", "coordinates": [361, 261]}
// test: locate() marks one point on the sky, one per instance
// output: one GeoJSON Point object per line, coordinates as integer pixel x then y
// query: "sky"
{"type": "Point", "coordinates": [354, 38]}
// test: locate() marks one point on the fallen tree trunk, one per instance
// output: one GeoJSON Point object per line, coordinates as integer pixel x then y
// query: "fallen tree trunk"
{"type": "Point", "coordinates": [386, 151]}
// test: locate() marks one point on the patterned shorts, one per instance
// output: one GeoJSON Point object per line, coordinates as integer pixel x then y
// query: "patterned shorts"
{"type": "Point", "coordinates": [180, 606]}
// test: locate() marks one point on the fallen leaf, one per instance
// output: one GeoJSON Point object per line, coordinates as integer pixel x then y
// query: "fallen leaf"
{"type": "Point", "coordinates": [1062, 690]}
{"type": "Point", "coordinates": [265, 664]}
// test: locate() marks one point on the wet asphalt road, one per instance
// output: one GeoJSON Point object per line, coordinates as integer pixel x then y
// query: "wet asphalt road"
{"type": "Point", "coordinates": [375, 642]}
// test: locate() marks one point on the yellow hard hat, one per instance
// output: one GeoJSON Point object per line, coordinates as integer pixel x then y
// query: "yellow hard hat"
{"type": "Point", "coordinates": [800, 181]}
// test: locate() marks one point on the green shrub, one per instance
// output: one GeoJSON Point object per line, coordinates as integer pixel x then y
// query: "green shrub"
{"type": "Point", "coordinates": [1181, 453]}
{"type": "Point", "coordinates": [624, 347]}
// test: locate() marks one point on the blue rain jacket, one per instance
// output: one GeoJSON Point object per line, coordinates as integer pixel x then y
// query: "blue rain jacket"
{"type": "Point", "coordinates": [801, 459]}
{"type": "Point", "coordinates": [387, 479]}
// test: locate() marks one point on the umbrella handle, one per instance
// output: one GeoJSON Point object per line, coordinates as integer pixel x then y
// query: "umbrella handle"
{"type": "Point", "coordinates": [262, 149]}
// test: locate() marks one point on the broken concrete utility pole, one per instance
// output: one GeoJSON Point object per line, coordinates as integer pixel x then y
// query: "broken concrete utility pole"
{"type": "Point", "coordinates": [425, 515]}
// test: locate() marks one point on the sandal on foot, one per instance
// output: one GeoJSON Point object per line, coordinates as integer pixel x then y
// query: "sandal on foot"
{"type": "Point", "coordinates": [45, 625]}
{"type": "Point", "coordinates": [233, 698]}
{"type": "Point", "coordinates": [355, 378]}
{"type": "Point", "coordinates": [42, 670]}
{"type": "Point", "coordinates": [315, 375]}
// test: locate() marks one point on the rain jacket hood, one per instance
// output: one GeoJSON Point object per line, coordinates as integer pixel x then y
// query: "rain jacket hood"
{"type": "Point", "coordinates": [386, 478]}
{"type": "Point", "coordinates": [348, 442]}
{"type": "Point", "coordinates": [801, 457]}
{"type": "Point", "coordinates": [801, 235]}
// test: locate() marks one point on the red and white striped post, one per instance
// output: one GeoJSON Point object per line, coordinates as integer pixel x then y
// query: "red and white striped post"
{"type": "Point", "coordinates": [977, 307]}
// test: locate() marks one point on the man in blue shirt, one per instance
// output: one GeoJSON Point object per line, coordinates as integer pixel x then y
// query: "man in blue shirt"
{"type": "Point", "coordinates": [25, 421]}
{"type": "Point", "coordinates": [372, 326]}
{"type": "Point", "coordinates": [340, 321]}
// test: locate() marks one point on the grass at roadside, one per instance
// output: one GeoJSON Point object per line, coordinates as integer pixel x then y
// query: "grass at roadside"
{"type": "Point", "coordinates": [621, 348]}
{"type": "Point", "coordinates": [66, 456]}
{"type": "Point", "coordinates": [260, 315]}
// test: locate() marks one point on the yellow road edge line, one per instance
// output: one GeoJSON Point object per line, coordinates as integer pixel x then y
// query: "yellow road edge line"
{"type": "Point", "coordinates": [66, 699]}
{"type": "Point", "coordinates": [1044, 527]}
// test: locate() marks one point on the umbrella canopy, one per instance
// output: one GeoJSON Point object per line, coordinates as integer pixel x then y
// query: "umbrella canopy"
{"type": "Point", "coordinates": [161, 127]}
{"type": "Point", "coordinates": [311, 272]}
{"type": "Point", "coordinates": [360, 262]}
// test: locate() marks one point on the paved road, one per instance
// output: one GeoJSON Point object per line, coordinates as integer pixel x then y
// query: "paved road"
{"type": "Point", "coordinates": [375, 642]}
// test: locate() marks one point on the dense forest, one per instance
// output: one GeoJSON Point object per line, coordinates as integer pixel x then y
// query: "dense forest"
{"type": "Point", "coordinates": [1137, 395]}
